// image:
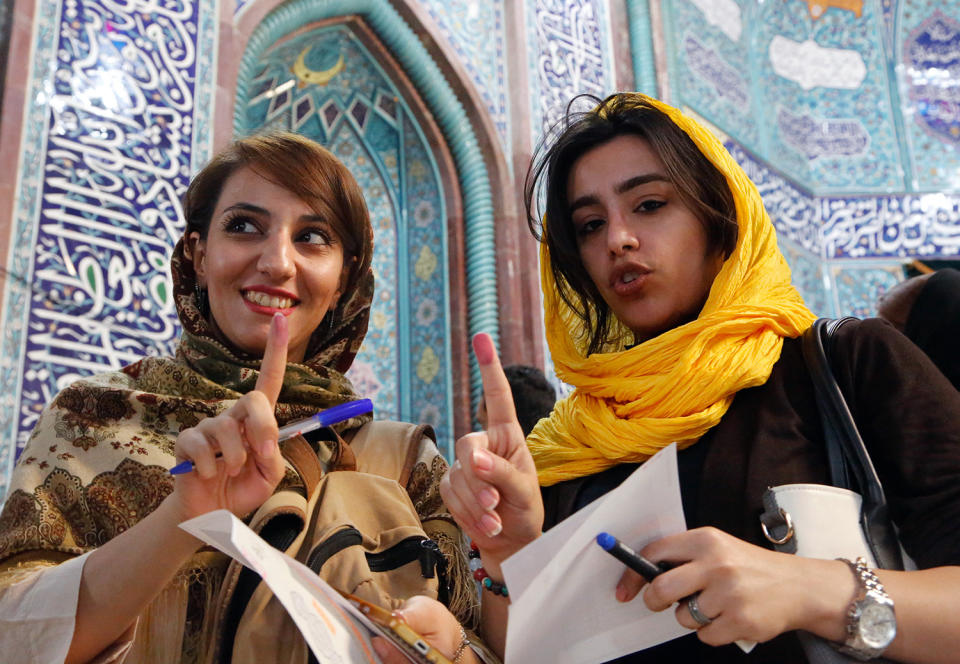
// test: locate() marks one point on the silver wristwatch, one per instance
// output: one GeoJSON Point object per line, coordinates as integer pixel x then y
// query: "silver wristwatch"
{"type": "Point", "coordinates": [871, 621]}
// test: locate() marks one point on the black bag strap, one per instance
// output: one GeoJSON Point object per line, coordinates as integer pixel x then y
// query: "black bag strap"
{"type": "Point", "coordinates": [850, 464]}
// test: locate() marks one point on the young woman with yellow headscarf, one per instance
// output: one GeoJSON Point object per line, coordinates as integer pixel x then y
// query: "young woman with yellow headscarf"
{"type": "Point", "coordinates": [669, 309]}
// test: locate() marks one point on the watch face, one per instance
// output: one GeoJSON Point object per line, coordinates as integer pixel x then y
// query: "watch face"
{"type": "Point", "coordinates": [878, 625]}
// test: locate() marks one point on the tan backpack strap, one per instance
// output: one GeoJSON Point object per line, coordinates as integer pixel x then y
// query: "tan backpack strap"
{"type": "Point", "coordinates": [390, 449]}
{"type": "Point", "coordinates": [304, 460]}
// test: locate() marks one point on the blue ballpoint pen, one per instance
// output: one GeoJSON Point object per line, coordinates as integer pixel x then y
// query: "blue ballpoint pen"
{"type": "Point", "coordinates": [324, 418]}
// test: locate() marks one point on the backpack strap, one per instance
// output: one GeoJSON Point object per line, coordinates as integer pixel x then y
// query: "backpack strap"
{"type": "Point", "coordinates": [304, 460]}
{"type": "Point", "coordinates": [389, 449]}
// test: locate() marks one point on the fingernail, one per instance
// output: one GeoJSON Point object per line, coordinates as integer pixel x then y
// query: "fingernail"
{"type": "Point", "coordinates": [266, 447]}
{"type": "Point", "coordinates": [488, 499]}
{"type": "Point", "coordinates": [490, 525]}
{"type": "Point", "coordinates": [482, 460]}
{"type": "Point", "coordinates": [621, 593]}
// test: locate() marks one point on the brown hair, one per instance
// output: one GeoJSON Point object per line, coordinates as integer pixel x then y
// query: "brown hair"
{"type": "Point", "coordinates": [307, 170]}
{"type": "Point", "coordinates": [700, 184]}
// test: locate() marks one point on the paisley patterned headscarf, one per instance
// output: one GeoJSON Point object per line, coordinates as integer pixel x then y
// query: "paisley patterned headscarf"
{"type": "Point", "coordinates": [96, 462]}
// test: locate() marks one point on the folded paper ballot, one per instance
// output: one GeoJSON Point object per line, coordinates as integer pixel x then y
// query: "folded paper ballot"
{"type": "Point", "coordinates": [562, 604]}
{"type": "Point", "coordinates": [333, 628]}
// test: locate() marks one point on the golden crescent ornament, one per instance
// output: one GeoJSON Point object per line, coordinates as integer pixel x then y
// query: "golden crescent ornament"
{"type": "Point", "coordinates": [306, 76]}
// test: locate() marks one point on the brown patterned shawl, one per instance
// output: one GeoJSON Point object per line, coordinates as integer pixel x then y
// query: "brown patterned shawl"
{"type": "Point", "coordinates": [97, 461]}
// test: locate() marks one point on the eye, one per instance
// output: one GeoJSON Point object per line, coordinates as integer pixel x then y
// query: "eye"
{"type": "Point", "coordinates": [649, 205]}
{"type": "Point", "coordinates": [589, 226]}
{"type": "Point", "coordinates": [240, 224]}
{"type": "Point", "coordinates": [319, 236]}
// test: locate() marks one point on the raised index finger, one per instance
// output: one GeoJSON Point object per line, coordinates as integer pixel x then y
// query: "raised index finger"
{"type": "Point", "coordinates": [274, 363]}
{"type": "Point", "coordinates": [496, 388]}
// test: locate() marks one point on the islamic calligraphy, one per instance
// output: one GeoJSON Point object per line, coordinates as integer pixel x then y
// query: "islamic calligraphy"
{"type": "Point", "coordinates": [857, 227]}
{"type": "Point", "coordinates": [727, 83]}
{"type": "Point", "coordinates": [570, 55]}
{"type": "Point", "coordinates": [114, 152]}
{"type": "Point", "coordinates": [815, 137]}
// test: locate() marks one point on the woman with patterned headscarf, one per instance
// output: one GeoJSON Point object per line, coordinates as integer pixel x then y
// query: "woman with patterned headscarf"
{"type": "Point", "coordinates": [669, 309]}
{"type": "Point", "coordinates": [273, 286]}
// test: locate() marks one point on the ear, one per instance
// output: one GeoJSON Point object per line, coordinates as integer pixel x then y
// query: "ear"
{"type": "Point", "coordinates": [344, 278]}
{"type": "Point", "coordinates": [195, 249]}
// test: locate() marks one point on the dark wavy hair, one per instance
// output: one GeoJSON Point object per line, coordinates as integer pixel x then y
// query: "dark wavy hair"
{"type": "Point", "coordinates": [700, 184]}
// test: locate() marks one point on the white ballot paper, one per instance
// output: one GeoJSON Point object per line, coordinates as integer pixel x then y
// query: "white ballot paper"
{"type": "Point", "coordinates": [331, 626]}
{"type": "Point", "coordinates": [562, 604]}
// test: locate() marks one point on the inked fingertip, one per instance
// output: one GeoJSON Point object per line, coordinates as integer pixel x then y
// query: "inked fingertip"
{"type": "Point", "coordinates": [483, 347]}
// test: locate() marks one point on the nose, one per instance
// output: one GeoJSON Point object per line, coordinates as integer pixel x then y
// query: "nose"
{"type": "Point", "coordinates": [620, 236]}
{"type": "Point", "coordinates": [277, 258]}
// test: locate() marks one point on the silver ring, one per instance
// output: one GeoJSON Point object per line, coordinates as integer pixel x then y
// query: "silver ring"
{"type": "Point", "coordinates": [694, 608]}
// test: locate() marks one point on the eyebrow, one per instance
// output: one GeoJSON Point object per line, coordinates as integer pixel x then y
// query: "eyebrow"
{"type": "Point", "coordinates": [256, 209]}
{"type": "Point", "coordinates": [621, 188]}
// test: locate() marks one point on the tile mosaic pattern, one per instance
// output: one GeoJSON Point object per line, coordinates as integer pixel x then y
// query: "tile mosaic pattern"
{"type": "Point", "coordinates": [767, 75]}
{"type": "Point", "coordinates": [807, 275]}
{"type": "Point", "coordinates": [929, 34]}
{"type": "Point", "coordinates": [859, 286]}
{"type": "Point", "coordinates": [569, 54]}
{"type": "Point", "coordinates": [475, 31]}
{"type": "Point", "coordinates": [832, 227]}
{"type": "Point", "coordinates": [710, 60]}
{"type": "Point", "coordinates": [110, 141]}
{"type": "Point", "coordinates": [325, 84]}
{"type": "Point", "coordinates": [830, 139]}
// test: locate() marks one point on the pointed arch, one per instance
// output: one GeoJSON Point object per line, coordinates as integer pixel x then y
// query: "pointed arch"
{"type": "Point", "coordinates": [442, 102]}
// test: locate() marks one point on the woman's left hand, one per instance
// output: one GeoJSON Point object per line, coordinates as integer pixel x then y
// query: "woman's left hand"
{"type": "Point", "coordinates": [748, 592]}
{"type": "Point", "coordinates": [434, 622]}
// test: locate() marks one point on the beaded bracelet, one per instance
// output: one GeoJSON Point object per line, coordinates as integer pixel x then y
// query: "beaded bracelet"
{"type": "Point", "coordinates": [480, 574]}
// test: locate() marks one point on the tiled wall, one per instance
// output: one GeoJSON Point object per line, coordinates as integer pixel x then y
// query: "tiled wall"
{"type": "Point", "coordinates": [847, 119]}
{"type": "Point", "coordinates": [845, 114]}
{"type": "Point", "coordinates": [114, 126]}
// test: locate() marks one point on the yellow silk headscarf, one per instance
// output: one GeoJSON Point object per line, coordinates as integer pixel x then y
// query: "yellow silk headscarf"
{"type": "Point", "coordinates": [627, 405]}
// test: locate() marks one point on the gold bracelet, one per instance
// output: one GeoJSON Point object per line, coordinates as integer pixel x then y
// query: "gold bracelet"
{"type": "Point", "coordinates": [464, 642]}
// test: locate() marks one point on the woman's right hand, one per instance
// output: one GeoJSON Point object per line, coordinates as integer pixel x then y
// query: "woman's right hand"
{"type": "Point", "coordinates": [251, 465]}
{"type": "Point", "coordinates": [492, 489]}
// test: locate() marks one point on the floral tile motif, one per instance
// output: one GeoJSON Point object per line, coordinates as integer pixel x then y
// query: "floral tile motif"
{"type": "Point", "coordinates": [709, 56]}
{"type": "Point", "coordinates": [858, 288]}
{"type": "Point", "coordinates": [808, 94]}
{"type": "Point", "coordinates": [807, 275]}
{"type": "Point", "coordinates": [475, 30]}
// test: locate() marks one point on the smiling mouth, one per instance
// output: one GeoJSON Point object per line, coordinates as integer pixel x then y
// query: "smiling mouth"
{"type": "Point", "coordinates": [272, 301]}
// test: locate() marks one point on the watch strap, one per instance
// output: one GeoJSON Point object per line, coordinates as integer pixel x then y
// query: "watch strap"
{"type": "Point", "coordinates": [869, 587]}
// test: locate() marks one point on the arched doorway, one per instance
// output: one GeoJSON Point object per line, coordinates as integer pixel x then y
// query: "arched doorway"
{"type": "Point", "coordinates": [334, 81]}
